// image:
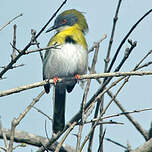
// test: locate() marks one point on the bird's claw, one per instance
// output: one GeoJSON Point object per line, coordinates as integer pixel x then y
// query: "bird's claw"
{"type": "Point", "coordinates": [77, 76]}
{"type": "Point", "coordinates": [55, 79]}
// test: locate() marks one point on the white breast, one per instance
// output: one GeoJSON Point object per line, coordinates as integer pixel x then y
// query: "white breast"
{"type": "Point", "coordinates": [67, 60]}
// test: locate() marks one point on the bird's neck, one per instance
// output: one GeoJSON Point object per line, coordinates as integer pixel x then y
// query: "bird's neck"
{"type": "Point", "coordinates": [73, 32]}
{"type": "Point", "coordinates": [75, 27]}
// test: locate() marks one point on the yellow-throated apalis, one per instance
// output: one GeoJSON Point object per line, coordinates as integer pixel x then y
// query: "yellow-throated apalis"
{"type": "Point", "coordinates": [69, 58]}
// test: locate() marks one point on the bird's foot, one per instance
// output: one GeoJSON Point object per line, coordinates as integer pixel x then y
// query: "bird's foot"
{"type": "Point", "coordinates": [77, 76]}
{"type": "Point", "coordinates": [55, 79]}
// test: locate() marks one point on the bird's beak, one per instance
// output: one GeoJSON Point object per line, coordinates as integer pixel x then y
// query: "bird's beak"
{"type": "Point", "coordinates": [51, 28]}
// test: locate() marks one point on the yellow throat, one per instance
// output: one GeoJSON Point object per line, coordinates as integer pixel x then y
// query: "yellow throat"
{"type": "Point", "coordinates": [74, 32]}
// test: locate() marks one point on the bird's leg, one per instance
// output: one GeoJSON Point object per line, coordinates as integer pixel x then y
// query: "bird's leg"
{"type": "Point", "coordinates": [55, 79]}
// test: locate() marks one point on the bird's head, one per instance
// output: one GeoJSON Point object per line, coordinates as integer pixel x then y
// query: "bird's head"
{"type": "Point", "coordinates": [70, 18]}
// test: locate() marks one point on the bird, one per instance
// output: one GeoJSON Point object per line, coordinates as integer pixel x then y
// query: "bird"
{"type": "Point", "coordinates": [67, 57]}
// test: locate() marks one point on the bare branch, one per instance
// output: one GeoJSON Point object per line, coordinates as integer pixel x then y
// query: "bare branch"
{"type": "Point", "coordinates": [146, 147]}
{"type": "Point", "coordinates": [15, 66]}
{"type": "Point", "coordinates": [116, 143]}
{"type": "Point", "coordinates": [33, 39]}
{"type": "Point", "coordinates": [3, 135]}
{"type": "Point", "coordinates": [13, 55]}
{"type": "Point", "coordinates": [16, 121]}
{"type": "Point", "coordinates": [126, 37]}
{"type": "Point", "coordinates": [38, 110]}
{"type": "Point", "coordinates": [32, 139]}
{"type": "Point", "coordinates": [108, 79]}
{"type": "Point", "coordinates": [97, 43]}
{"type": "Point", "coordinates": [10, 21]}
{"type": "Point", "coordinates": [65, 136]}
{"type": "Point", "coordinates": [87, 89]}
{"type": "Point", "coordinates": [46, 133]}
{"type": "Point", "coordinates": [101, 142]}
{"type": "Point", "coordinates": [86, 76]}
{"type": "Point", "coordinates": [112, 36]}
{"type": "Point", "coordinates": [94, 61]}
{"type": "Point", "coordinates": [133, 121]}
{"type": "Point", "coordinates": [41, 49]}
{"type": "Point", "coordinates": [29, 44]}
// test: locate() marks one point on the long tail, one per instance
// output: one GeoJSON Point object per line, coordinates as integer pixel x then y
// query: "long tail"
{"type": "Point", "coordinates": [59, 109]}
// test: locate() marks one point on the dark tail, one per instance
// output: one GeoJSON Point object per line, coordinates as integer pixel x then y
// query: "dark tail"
{"type": "Point", "coordinates": [59, 109]}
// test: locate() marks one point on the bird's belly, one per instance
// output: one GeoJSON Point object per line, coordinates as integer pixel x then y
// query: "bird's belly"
{"type": "Point", "coordinates": [68, 60]}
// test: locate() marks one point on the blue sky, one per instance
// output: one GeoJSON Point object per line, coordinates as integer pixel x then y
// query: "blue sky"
{"type": "Point", "coordinates": [99, 14]}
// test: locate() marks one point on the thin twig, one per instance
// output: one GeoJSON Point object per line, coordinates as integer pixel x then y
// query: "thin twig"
{"type": "Point", "coordinates": [13, 67]}
{"type": "Point", "coordinates": [89, 82]}
{"type": "Point", "coordinates": [77, 117]}
{"type": "Point", "coordinates": [126, 55]}
{"type": "Point", "coordinates": [86, 76]}
{"type": "Point", "coordinates": [4, 135]}
{"type": "Point", "coordinates": [94, 61]}
{"type": "Point", "coordinates": [65, 136]}
{"type": "Point", "coordinates": [146, 147]}
{"type": "Point", "coordinates": [1, 148]}
{"type": "Point", "coordinates": [96, 43]}
{"type": "Point", "coordinates": [33, 33]}
{"type": "Point", "coordinates": [32, 139]}
{"type": "Point", "coordinates": [125, 38]}
{"type": "Point", "coordinates": [29, 44]}
{"type": "Point", "coordinates": [116, 143]}
{"type": "Point", "coordinates": [135, 123]}
{"type": "Point", "coordinates": [104, 122]}
{"type": "Point", "coordinates": [98, 119]}
{"type": "Point", "coordinates": [102, 113]}
{"type": "Point", "coordinates": [20, 145]}
{"type": "Point", "coordinates": [46, 133]}
{"type": "Point", "coordinates": [112, 36]}
{"type": "Point", "coordinates": [15, 49]}
{"type": "Point", "coordinates": [41, 49]}
{"type": "Point", "coordinates": [13, 126]}
{"type": "Point", "coordinates": [13, 55]}
{"type": "Point", "coordinates": [144, 65]}
{"type": "Point", "coordinates": [101, 142]}
{"type": "Point", "coordinates": [120, 114]}
{"type": "Point", "coordinates": [105, 82]}
{"type": "Point", "coordinates": [132, 120]}
{"type": "Point", "coordinates": [16, 121]}
{"type": "Point", "coordinates": [40, 111]}
{"type": "Point", "coordinates": [10, 21]}
{"type": "Point", "coordinates": [138, 65]}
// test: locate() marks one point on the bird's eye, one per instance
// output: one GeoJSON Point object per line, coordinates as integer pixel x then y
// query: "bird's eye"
{"type": "Point", "coordinates": [64, 21]}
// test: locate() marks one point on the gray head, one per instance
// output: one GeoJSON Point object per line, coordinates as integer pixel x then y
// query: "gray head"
{"type": "Point", "coordinates": [69, 18]}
